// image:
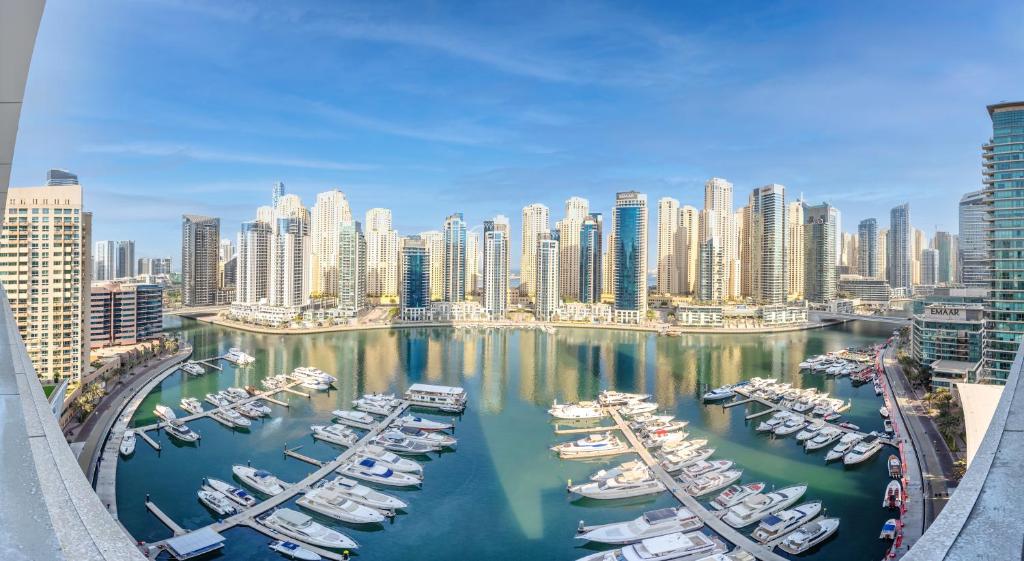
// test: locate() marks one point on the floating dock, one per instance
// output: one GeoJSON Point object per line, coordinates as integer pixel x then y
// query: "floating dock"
{"type": "Point", "coordinates": [167, 521]}
{"type": "Point", "coordinates": [149, 440]}
{"type": "Point", "coordinates": [294, 453]}
{"type": "Point", "coordinates": [586, 430]}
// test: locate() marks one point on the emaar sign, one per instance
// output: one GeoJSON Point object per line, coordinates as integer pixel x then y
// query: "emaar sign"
{"type": "Point", "coordinates": [945, 312]}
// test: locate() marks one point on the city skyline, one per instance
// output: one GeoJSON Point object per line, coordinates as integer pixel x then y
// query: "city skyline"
{"type": "Point", "coordinates": [466, 146]}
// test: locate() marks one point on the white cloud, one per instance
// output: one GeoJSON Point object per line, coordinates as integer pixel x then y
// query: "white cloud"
{"type": "Point", "coordinates": [185, 151]}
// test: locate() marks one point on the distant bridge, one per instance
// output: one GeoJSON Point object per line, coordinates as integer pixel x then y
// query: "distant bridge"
{"type": "Point", "coordinates": [894, 320]}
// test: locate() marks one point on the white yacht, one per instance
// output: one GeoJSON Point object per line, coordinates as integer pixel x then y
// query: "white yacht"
{"type": "Point", "coordinates": [632, 465]}
{"type": "Point", "coordinates": [216, 501]}
{"type": "Point", "coordinates": [863, 451]}
{"type": "Point", "coordinates": [329, 502]}
{"type": "Point", "coordinates": [793, 424]}
{"type": "Point", "coordinates": [216, 400]}
{"type": "Point", "coordinates": [128, 443]}
{"type": "Point", "coordinates": [357, 419]}
{"type": "Point", "coordinates": [677, 546]}
{"type": "Point", "coordinates": [180, 431]}
{"type": "Point", "coordinates": [676, 461]}
{"type": "Point", "coordinates": [756, 507]}
{"type": "Point", "coordinates": [392, 460]}
{"type": "Point", "coordinates": [164, 412]}
{"type": "Point", "coordinates": [335, 434]}
{"type": "Point", "coordinates": [609, 398]}
{"type": "Point", "coordinates": [193, 368]}
{"type": "Point", "coordinates": [582, 411]}
{"type": "Point", "coordinates": [644, 419]}
{"type": "Point", "coordinates": [781, 523]}
{"type": "Point", "coordinates": [192, 405]}
{"type": "Point", "coordinates": [369, 470]}
{"type": "Point", "coordinates": [629, 484]}
{"type": "Point", "coordinates": [638, 408]}
{"type": "Point", "coordinates": [809, 535]}
{"type": "Point", "coordinates": [235, 417]}
{"type": "Point", "coordinates": [239, 357]}
{"type": "Point", "coordinates": [662, 426]}
{"type": "Point", "coordinates": [364, 495]}
{"type": "Point", "coordinates": [884, 412]}
{"type": "Point", "coordinates": [236, 494]}
{"type": "Point", "coordinates": [435, 438]}
{"type": "Point", "coordinates": [823, 438]}
{"type": "Point", "coordinates": [260, 406]}
{"type": "Point", "coordinates": [774, 421]}
{"type": "Point", "coordinates": [704, 467]}
{"type": "Point", "coordinates": [294, 524]}
{"type": "Point", "coordinates": [249, 411]}
{"type": "Point", "coordinates": [810, 430]}
{"type": "Point", "coordinates": [445, 398]}
{"type": "Point", "coordinates": [683, 446]}
{"type": "Point", "coordinates": [650, 524]}
{"type": "Point", "coordinates": [414, 422]}
{"type": "Point", "coordinates": [401, 445]}
{"type": "Point", "coordinates": [262, 481]}
{"type": "Point", "coordinates": [893, 497]}
{"type": "Point", "coordinates": [311, 384]}
{"type": "Point", "coordinates": [719, 394]}
{"type": "Point", "coordinates": [373, 406]}
{"type": "Point", "coordinates": [712, 482]}
{"type": "Point", "coordinates": [846, 443]}
{"type": "Point", "coordinates": [237, 393]}
{"type": "Point", "coordinates": [593, 446]}
{"type": "Point", "coordinates": [293, 550]}
{"type": "Point", "coordinates": [219, 415]}
{"type": "Point", "coordinates": [734, 494]}
{"type": "Point", "coordinates": [662, 437]}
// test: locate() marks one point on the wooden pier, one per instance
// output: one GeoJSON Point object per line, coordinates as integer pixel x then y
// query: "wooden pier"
{"type": "Point", "coordinates": [294, 453]}
{"type": "Point", "coordinates": [274, 401]}
{"type": "Point", "coordinates": [586, 430]}
{"type": "Point", "coordinates": [149, 440]}
{"type": "Point", "coordinates": [760, 414]}
{"type": "Point", "coordinates": [211, 362]}
{"type": "Point", "coordinates": [167, 521]}
{"type": "Point", "coordinates": [738, 403]}
{"type": "Point", "coordinates": [296, 392]}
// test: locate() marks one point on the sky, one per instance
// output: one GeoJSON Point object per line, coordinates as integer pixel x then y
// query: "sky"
{"type": "Point", "coordinates": [165, 107]}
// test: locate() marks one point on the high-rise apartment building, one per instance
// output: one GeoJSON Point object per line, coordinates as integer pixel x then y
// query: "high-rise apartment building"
{"type": "Point", "coordinates": [687, 250]}
{"type": "Point", "coordinates": [718, 201]}
{"type": "Point", "coordinates": [576, 211]}
{"type": "Point", "coordinates": [742, 219]}
{"type": "Point", "coordinates": [946, 244]}
{"type": "Point", "coordinates": [276, 192]}
{"type": "Point", "coordinates": [329, 211]}
{"type": "Point", "coordinates": [124, 313]}
{"type": "Point", "coordinates": [381, 254]}
{"type": "Point", "coordinates": [252, 284]}
{"type": "Point", "coordinates": [918, 243]}
{"type": "Point", "coordinates": [351, 267]}
{"type": "Point", "coordinates": [500, 223]}
{"type": "Point", "coordinates": [290, 257]}
{"type": "Point", "coordinates": [227, 249]}
{"type": "Point", "coordinates": [496, 274]}
{"type": "Point", "coordinates": [473, 262]}
{"type": "Point", "coordinates": [46, 274]}
{"type": "Point", "coordinates": [454, 258]}
{"type": "Point", "coordinates": [60, 178]}
{"type": "Point", "coordinates": [630, 217]}
{"type": "Point", "coordinates": [434, 242]}
{"type": "Point", "coordinates": [867, 248]}
{"type": "Point", "coordinates": [1003, 177]}
{"type": "Point", "coordinates": [113, 259]}
{"type": "Point", "coordinates": [795, 249]}
{"type": "Point", "coordinates": [548, 276]}
{"type": "Point", "coordinates": [768, 248]}
{"type": "Point", "coordinates": [414, 300]}
{"type": "Point", "coordinates": [591, 254]}
{"type": "Point", "coordinates": [900, 247]}
{"type": "Point", "coordinates": [929, 266]}
{"type": "Point", "coordinates": [973, 247]}
{"type": "Point", "coordinates": [535, 222]}
{"type": "Point", "coordinates": [154, 266]}
{"type": "Point", "coordinates": [711, 267]}
{"type": "Point", "coordinates": [883, 254]}
{"type": "Point", "coordinates": [820, 253]}
{"type": "Point", "coordinates": [850, 257]}
{"type": "Point", "coordinates": [667, 279]}
{"type": "Point", "coordinates": [200, 245]}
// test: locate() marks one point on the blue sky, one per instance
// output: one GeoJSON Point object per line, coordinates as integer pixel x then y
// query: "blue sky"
{"type": "Point", "coordinates": [169, 106]}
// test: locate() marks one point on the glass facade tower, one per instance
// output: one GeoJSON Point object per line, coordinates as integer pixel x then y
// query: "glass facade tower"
{"type": "Point", "coordinates": [630, 216]}
{"type": "Point", "coordinates": [590, 259]}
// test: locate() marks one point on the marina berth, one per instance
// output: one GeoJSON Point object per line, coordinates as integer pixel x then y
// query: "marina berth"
{"type": "Point", "coordinates": [399, 444]}
{"type": "Point", "coordinates": [650, 524]}
{"type": "Point", "coordinates": [392, 460]}
{"type": "Point", "coordinates": [335, 434]}
{"type": "Point", "coordinates": [863, 451]}
{"type": "Point", "coordinates": [127, 447]}
{"type": "Point", "coordinates": [703, 467]}
{"type": "Point", "coordinates": [258, 479]}
{"type": "Point", "coordinates": [756, 507]}
{"type": "Point", "coordinates": [414, 422]}
{"type": "Point", "coordinates": [893, 496]}
{"type": "Point", "coordinates": [584, 410]}
{"type": "Point", "coordinates": [193, 368]}
{"type": "Point", "coordinates": [592, 446]}
{"type": "Point", "coordinates": [293, 551]}
{"type": "Point", "coordinates": [180, 432]}
{"type": "Point", "coordinates": [164, 413]}
{"type": "Point", "coordinates": [636, 483]}
{"type": "Point", "coordinates": [192, 405]}
{"type": "Point", "coordinates": [678, 546]}
{"type": "Point", "coordinates": [676, 461]}
{"type": "Point", "coordinates": [331, 503]}
{"type": "Point", "coordinates": [612, 398]}
{"type": "Point", "coordinates": [734, 494]}
{"type": "Point", "coordinates": [638, 408]}
{"type": "Point", "coordinates": [236, 494]}
{"type": "Point", "coordinates": [216, 501]}
{"type": "Point", "coordinates": [355, 491]}
{"type": "Point", "coordinates": [809, 535]}
{"type": "Point", "coordinates": [776, 525]}
{"type": "Point", "coordinates": [712, 482]}
{"type": "Point", "coordinates": [369, 470]}
{"type": "Point", "coordinates": [632, 465]}
{"type": "Point", "coordinates": [294, 524]}
{"type": "Point", "coordinates": [239, 357]}
{"type": "Point", "coordinates": [823, 438]}
{"type": "Point", "coordinates": [358, 419]}
{"type": "Point", "coordinates": [445, 398]}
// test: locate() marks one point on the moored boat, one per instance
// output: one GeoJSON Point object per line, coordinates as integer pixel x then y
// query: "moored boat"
{"type": "Point", "coordinates": [712, 482]}
{"type": "Point", "coordinates": [369, 470]}
{"type": "Point", "coordinates": [294, 524]}
{"type": "Point", "coordinates": [669, 547]}
{"type": "Point", "coordinates": [450, 399]}
{"type": "Point", "coordinates": [809, 535]}
{"type": "Point", "coordinates": [420, 423]}
{"type": "Point", "coordinates": [164, 413]}
{"type": "Point", "coordinates": [893, 496]}
{"type": "Point", "coordinates": [192, 405]}
{"type": "Point", "coordinates": [127, 447]}
{"type": "Point", "coordinates": [239, 357]}
{"type": "Point", "coordinates": [180, 431]}
{"type": "Point", "coordinates": [895, 467]}
{"type": "Point", "coordinates": [216, 501]}
{"type": "Point", "coordinates": [584, 410]}
{"type": "Point", "coordinates": [736, 493]}
{"type": "Point", "coordinates": [632, 465]}
{"type": "Point", "coordinates": [703, 467]}
{"type": "Point", "coordinates": [846, 443]}
{"type": "Point", "coordinates": [236, 494]}
{"type": "Point", "coordinates": [611, 398]}
{"type": "Point", "coordinates": [863, 451]}
{"type": "Point", "coordinates": [592, 446]}
{"type": "Point", "coordinates": [756, 507]}
{"type": "Point", "coordinates": [331, 503]}
{"type": "Point", "coordinates": [352, 489]}
{"type": "Point", "coordinates": [293, 550]}
{"type": "Point", "coordinates": [776, 525]}
{"type": "Point", "coordinates": [675, 461]}
{"type": "Point", "coordinates": [629, 484]}
{"type": "Point", "coordinates": [638, 408]}
{"type": "Point", "coordinates": [648, 525]}
{"type": "Point", "coordinates": [335, 434]}
{"type": "Point", "coordinates": [392, 460]}
{"type": "Point", "coordinates": [401, 445]}
{"type": "Point", "coordinates": [889, 530]}
{"type": "Point", "coordinates": [261, 480]}
{"type": "Point", "coordinates": [193, 368]}
{"type": "Point", "coordinates": [358, 419]}
{"type": "Point", "coordinates": [823, 438]}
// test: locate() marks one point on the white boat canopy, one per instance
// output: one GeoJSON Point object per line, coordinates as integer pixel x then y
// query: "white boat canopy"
{"type": "Point", "coordinates": [194, 544]}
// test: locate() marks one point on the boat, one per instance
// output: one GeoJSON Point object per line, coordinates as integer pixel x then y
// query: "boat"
{"type": "Point", "coordinates": [352, 489]}
{"type": "Point", "coordinates": [638, 408]}
{"type": "Point", "coordinates": [235, 417]}
{"type": "Point", "coordinates": [248, 411]}
{"type": "Point", "coordinates": [662, 426]}
{"type": "Point", "coordinates": [774, 421]}
{"type": "Point", "coordinates": [193, 368]}
{"type": "Point", "coordinates": [216, 501]}
{"type": "Point", "coordinates": [216, 400]}
{"type": "Point", "coordinates": [719, 394]}
{"type": "Point", "coordinates": [446, 398]}
{"type": "Point", "coordinates": [237, 393]}
{"type": "Point", "coordinates": [895, 467]}
{"type": "Point", "coordinates": [435, 438]}
{"type": "Point", "coordinates": [294, 524]}
{"type": "Point", "coordinates": [262, 481]}
{"type": "Point", "coordinates": [650, 524]}
{"type": "Point", "coordinates": [703, 467]}
{"type": "Point", "coordinates": [632, 465]}
{"type": "Point", "coordinates": [612, 398]}
{"type": "Point", "coordinates": [293, 550]}
{"type": "Point", "coordinates": [636, 483]}
{"type": "Point", "coordinates": [884, 412]}
{"type": "Point", "coordinates": [823, 438]}
{"type": "Point", "coordinates": [373, 406]}
{"type": "Point", "coordinates": [192, 405]}
{"type": "Point", "coordinates": [394, 461]}
{"type": "Point", "coordinates": [878, 389]}
{"type": "Point", "coordinates": [676, 461]}
{"type": "Point", "coordinates": [401, 445]}
{"type": "Point", "coordinates": [335, 434]}
{"type": "Point", "coordinates": [677, 546]}
{"type": "Point", "coordinates": [644, 419]}
{"type": "Point", "coordinates": [314, 374]}
{"type": "Point", "coordinates": [887, 427]}
{"type": "Point", "coordinates": [180, 431]}
{"type": "Point", "coordinates": [662, 437]}
{"type": "Point", "coordinates": [239, 357]}
{"type": "Point", "coordinates": [756, 507]}
{"type": "Point", "coordinates": [792, 425]}
{"type": "Point", "coordinates": [674, 447]}
{"type": "Point", "coordinates": [128, 443]}
{"type": "Point", "coordinates": [331, 503]}
{"type": "Point", "coordinates": [774, 526]}
{"type": "Point", "coordinates": [584, 410]}
{"type": "Point", "coordinates": [414, 422]}
{"type": "Point", "coordinates": [370, 470]}
{"type": "Point", "coordinates": [846, 443]}
{"type": "Point", "coordinates": [863, 451]}
{"type": "Point", "coordinates": [358, 419]}
{"type": "Point", "coordinates": [849, 426]}
{"type": "Point", "coordinates": [317, 385]}
{"type": "Point", "coordinates": [813, 428]}
{"type": "Point", "coordinates": [889, 530]}
{"type": "Point", "coordinates": [261, 406]}
{"type": "Point", "coordinates": [712, 482]}
{"type": "Point", "coordinates": [236, 494]}
{"type": "Point", "coordinates": [893, 496]}
{"type": "Point", "coordinates": [164, 412]}
{"type": "Point", "coordinates": [221, 416]}
{"type": "Point", "coordinates": [734, 494]}
{"type": "Point", "coordinates": [592, 446]}
{"type": "Point", "coordinates": [809, 535]}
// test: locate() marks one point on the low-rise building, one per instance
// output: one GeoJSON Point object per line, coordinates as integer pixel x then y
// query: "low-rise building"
{"type": "Point", "coordinates": [700, 316]}
{"type": "Point", "coordinates": [948, 332]}
{"type": "Point", "coordinates": [593, 312]}
{"type": "Point", "coordinates": [466, 310]}
{"type": "Point", "coordinates": [781, 314]}
{"type": "Point", "coordinates": [124, 313]}
{"type": "Point", "coordinates": [264, 314]}
{"type": "Point", "coordinates": [868, 290]}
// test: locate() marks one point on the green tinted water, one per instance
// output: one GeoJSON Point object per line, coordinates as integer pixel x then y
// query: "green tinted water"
{"type": "Point", "coordinates": [502, 494]}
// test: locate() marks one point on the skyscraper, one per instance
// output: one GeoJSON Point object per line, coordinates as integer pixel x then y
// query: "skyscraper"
{"type": "Point", "coordinates": [473, 262]}
{"type": "Point", "coordinates": [227, 249]}
{"type": "Point", "coordinates": [883, 253]}
{"type": "Point", "coordinates": [496, 274]}
{"type": "Point", "coordinates": [454, 258]}
{"type": "Point", "coordinates": [929, 266]}
{"type": "Point", "coordinates": [946, 244]}
{"type": "Point", "coordinates": [329, 211]}
{"type": "Point", "coordinates": [1003, 158]}
{"type": "Point", "coordinates": [867, 248]}
{"type": "Point", "coordinates": [253, 280]}
{"type": "Point", "coordinates": [973, 247]}
{"type": "Point", "coordinates": [918, 243]}
{"type": "Point", "coordinates": [60, 177]}
{"type": "Point", "coordinates": [667, 281]}
{"type": "Point", "coordinates": [576, 211]}
{"type": "Point", "coordinates": [718, 200]}
{"type": "Point", "coordinates": [500, 223]}
{"type": "Point", "coordinates": [630, 216]}
{"type": "Point", "coordinates": [125, 261]}
{"type": "Point", "coordinates": [591, 270]}
{"type": "Point", "coordinates": [900, 242]}
{"type": "Point", "coordinates": [548, 276]}
{"type": "Point", "coordinates": [711, 267]}
{"type": "Point", "coordinates": [795, 250]}
{"type": "Point", "coordinates": [381, 254]}
{"type": "Point", "coordinates": [290, 255]}
{"type": "Point", "coordinates": [104, 258]}
{"type": "Point", "coordinates": [276, 192]}
{"type": "Point", "coordinates": [768, 222]}
{"type": "Point", "coordinates": [434, 241]}
{"type": "Point", "coordinates": [154, 266]}
{"type": "Point", "coordinates": [351, 267]}
{"type": "Point", "coordinates": [535, 222]}
{"type": "Point", "coordinates": [200, 245]}
{"type": "Point", "coordinates": [820, 253]}
{"type": "Point", "coordinates": [414, 300]}
{"type": "Point", "coordinates": [687, 249]}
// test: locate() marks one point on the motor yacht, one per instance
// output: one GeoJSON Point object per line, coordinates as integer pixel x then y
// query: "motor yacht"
{"type": "Point", "coordinates": [661, 437]}
{"type": "Point", "coordinates": [663, 426]}
{"type": "Point", "coordinates": [650, 524]}
{"type": "Point", "coordinates": [632, 465]}
{"type": "Point", "coordinates": [193, 369]}
{"type": "Point", "coordinates": [895, 467]}
{"type": "Point", "coordinates": [893, 496]}
{"type": "Point", "coordinates": [353, 490]}
{"type": "Point", "coordinates": [335, 434]}
{"type": "Point", "coordinates": [812, 428]}
{"type": "Point", "coordinates": [636, 483]}
{"type": "Point", "coordinates": [884, 412]}
{"type": "Point", "coordinates": [315, 374]}
{"type": "Point", "coordinates": [293, 550]}
{"type": "Point", "coordinates": [436, 438]}
{"type": "Point", "coordinates": [774, 526]}
{"type": "Point", "coordinates": [414, 422]}
{"type": "Point", "coordinates": [719, 394]}
{"type": "Point", "coordinates": [671, 447]}
{"type": "Point", "coordinates": [294, 524]}
{"type": "Point", "coordinates": [128, 443]}
{"type": "Point", "coordinates": [592, 446]}
{"type": "Point", "coordinates": [237, 393]}
{"type": "Point", "coordinates": [846, 443]}
{"type": "Point", "coordinates": [263, 481]}
{"type": "Point", "coordinates": [216, 400]}
{"type": "Point", "coordinates": [635, 408]}
{"type": "Point", "coordinates": [180, 431]}
{"type": "Point", "coordinates": [396, 443]}
{"type": "Point", "coordinates": [373, 406]}
{"type": "Point", "coordinates": [260, 406]}
{"type": "Point", "coordinates": [235, 417]}
{"type": "Point", "coordinates": [358, 419]}
{"type": "Point", "coordinates": [823, 438]}
{"type": "Point", "coordinates": [849, 426]}
{"type": "Point", "coordinates": [669, 547]}
{"type": "Point", "coordinates": [374, 472]}
{"type": "Point", "coordinates": [192, 405]}
{"type": "Point", "coordinates": [317, 385]}
{"type": "Point", "coordinates": [392, 460]}
{"type": "Point", "coordinates": [164, 413]}
{"type": "Point", "coordinates": [733, 494]}
{"type": "Point", "coordinates": [239, 357]}
{"type": "Point", "coordinates": [863, 451]}
{"type": "Point", "coordinates": [644, 419]}
{"type": "Point", "coordinates": [676, 461]}
{"type": "Point", "coordinates": [774, 421]}
{"type": "Point", "coordinates": [331, 503]}
{"type": "Point", "coordinates": [236, 494]}
{"type": "Point", "coordinates": [248, 411]}
{"type": "Point", "coordinates": [756, 507]}
{"type": "Point", "coordinates": [712, 482]}
{"type": "Point", "coordinates": [878, 389]}
{"type": "Point", "coordinates": [792, 425]}
{"type": "Point", "coordinates": [809, 535]}
{"type": "Point", "coordinates": [887, 427]}
{"type": "Point", "coordinates": [703, 467]}
{"type": "Point", "coordinates": [584, 410]}
{"type": "Point", "coordinates": [612, 398]}
{"type": "Point", "coordinates": [216, 501]}
{"type": "Point", "coordinates": [889, 530]}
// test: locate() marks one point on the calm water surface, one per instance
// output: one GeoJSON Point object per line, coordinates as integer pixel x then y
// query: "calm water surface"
{"type": "Point", "coordinates": [501, 495]}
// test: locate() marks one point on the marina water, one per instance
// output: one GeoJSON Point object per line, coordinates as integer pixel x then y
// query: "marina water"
{"type": "Point", "coordinates": [502, 495]}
